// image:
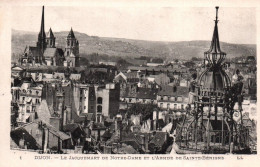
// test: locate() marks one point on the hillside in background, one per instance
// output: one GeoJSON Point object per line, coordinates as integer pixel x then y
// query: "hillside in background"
{"type": "Point", "coordinates": [131, 48]}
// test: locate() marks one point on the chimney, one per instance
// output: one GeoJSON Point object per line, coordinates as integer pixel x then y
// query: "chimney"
{"type": "Point", "coordinates": [45, 137]}
{"type": "Point", "coordinates": [142, 140]}
{"type": "Point", "coordinates": [64, 117]}
{"type": "Point", "coordinates": [166, 136]}
{"type": "Point", "coordinates": [116, 126]}
{"type": "Point", "coordinates": [56, 122]}
{"type": "Point", "coordinates": [68, 113]}
{"type": "Point", "coordinates": [174, 88]}
{"type": "Point", "coordinates": [146, 144]}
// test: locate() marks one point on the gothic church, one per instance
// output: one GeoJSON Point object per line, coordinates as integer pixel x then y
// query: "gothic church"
{"type": "Point", "coordinates": [46, 53]}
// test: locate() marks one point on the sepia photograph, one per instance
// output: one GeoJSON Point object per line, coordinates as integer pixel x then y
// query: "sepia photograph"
{"type": "Point", "coordinates": [133, 80]}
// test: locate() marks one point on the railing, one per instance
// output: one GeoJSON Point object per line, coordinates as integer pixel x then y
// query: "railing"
{"type": "Point", "coordinates": [212, 140]}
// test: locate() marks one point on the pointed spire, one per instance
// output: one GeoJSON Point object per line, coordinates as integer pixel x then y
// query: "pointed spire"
{"type": "Point", "coordinates": [215, 46]}
{"type": "Point", "coordinates": [50, 34]}
{"type": "Point", "coordinates": [71, 34]}
{"type": "Point", "coordinates": [42, 31]}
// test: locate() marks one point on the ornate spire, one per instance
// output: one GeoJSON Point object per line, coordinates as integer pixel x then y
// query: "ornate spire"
{"type": "Point", "coordinates": [41, 44]}
{"type": "Point", "coordinates": [42, 31]}
{"type": "Point", "coordinates": [214, 55]}
{"type": "Point", "coordinates": [71, 34]}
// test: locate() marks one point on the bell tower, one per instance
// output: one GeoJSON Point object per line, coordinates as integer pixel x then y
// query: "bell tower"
{"type": "Point", "coordinates": [50, 39]}
{"type": "Point", "coordinates": [72, 49]}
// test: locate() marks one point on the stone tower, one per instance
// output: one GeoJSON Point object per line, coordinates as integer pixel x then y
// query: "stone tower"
{"type": "Point", "coordinates": [50, 39]}
{"type": "Point", "coordinates": [72, 50]}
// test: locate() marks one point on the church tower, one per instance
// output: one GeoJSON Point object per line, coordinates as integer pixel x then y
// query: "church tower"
{"type": "Point", "coordinates": [41, 43]}
{"type": "Point", "coordinates": [50, 39]}
{"type": "Point", "coordinates": [72, 50]}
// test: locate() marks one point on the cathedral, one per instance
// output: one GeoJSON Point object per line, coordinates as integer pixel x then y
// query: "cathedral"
{"type": "Point", "coordinates": [46, 53]}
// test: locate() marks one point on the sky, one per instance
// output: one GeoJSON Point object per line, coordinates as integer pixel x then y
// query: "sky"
{"type": "Point", "coordinates": [236, 25]}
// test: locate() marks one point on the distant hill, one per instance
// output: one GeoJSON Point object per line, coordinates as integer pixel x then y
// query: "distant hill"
{"type": "Point", "coordinates": [131, 48]}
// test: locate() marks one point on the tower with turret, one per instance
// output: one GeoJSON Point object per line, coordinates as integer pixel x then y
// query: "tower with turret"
{"type": "Point", "coordinates": [50, 39]}
{"type": "Point", "coordinates": [72, 50]}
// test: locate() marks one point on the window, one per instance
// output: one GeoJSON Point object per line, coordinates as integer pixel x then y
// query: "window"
{"type": "Point", "coordinates": [99, 100]}
{"type": "Point", "coordinates": [99, 108]}
{"type": "Point", "coordinates": [175, 106]}
{"type": "Point", "coordinates": [28, 109]}
{"type": "Point", "coordinates": [172, 98]}
{"type": "Point", "coordinates": [130, 100]}
{"type": "Point", "coordinates": [179, 99]}
{"type": "Point", "coordinates": [168, 106]}
{"type": "Point", "coordinates": [182, 107]}
{"type": "Point", "coordinates": [165, 98]}
{"type": "Point", "coordinates": [92, 97]}
{"type": "Point", "coordinates": [161, 105]}
{"type": "Point", "coordinates": [80, 99]}
{"type": "Point", "coordinates": [92, 107]}
{"type": "Point", "coordinates": [85, 107]}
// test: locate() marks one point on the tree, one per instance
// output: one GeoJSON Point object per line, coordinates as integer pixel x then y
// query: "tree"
{"type": "Point", "coordinates": [145, 109]}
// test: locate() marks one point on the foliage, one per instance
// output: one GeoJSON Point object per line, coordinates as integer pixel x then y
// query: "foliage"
{"type": "Point", "coordinates": [189, 64]}
{"type": "Point", "coordinates": [122, 64]}
{"type": "Point", "coordinates": [145, 109]}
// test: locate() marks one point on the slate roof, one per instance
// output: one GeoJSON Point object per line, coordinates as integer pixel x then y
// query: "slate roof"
{"type": "Point", "coordinates": [34, 51]}
{"type": "Point", "coordinates": [157, 69]}
{"type": "Point", "coordinates": [71, 34]}
{"type": "Point", "coordinates": [60, 134]}
{"type": "Point", "coordinates": [50, 52]}
{"type": "Point", "coordinates": [167, 90]}
{"type": "Point", "coordinates": [50, 34]}
{"type": "Point", "coordinates": [21, 133]}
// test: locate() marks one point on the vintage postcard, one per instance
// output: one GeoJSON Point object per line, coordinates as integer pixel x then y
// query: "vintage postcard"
{"type": "Point", "coordinates": [120, 83]}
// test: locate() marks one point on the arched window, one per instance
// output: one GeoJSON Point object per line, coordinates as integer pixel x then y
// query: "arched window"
{"type": "Point", "coordinates": [99, 108]}
{"type": "Point", "coordinates": [99, 100]}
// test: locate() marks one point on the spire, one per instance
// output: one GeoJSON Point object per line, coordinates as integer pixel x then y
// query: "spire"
{"type": "Point", "coordinates": [71, 34]}
{"type": "Point", "coordinates": [214, 55]}
{"type": "Point", "coordinates": [50, 34]}
{"type": "Point", "coordinates": [42, 32]}
{"type": "Point", "coordinates": [215, 46]}
{"type": "Point", "coordinates": [41, 43]}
